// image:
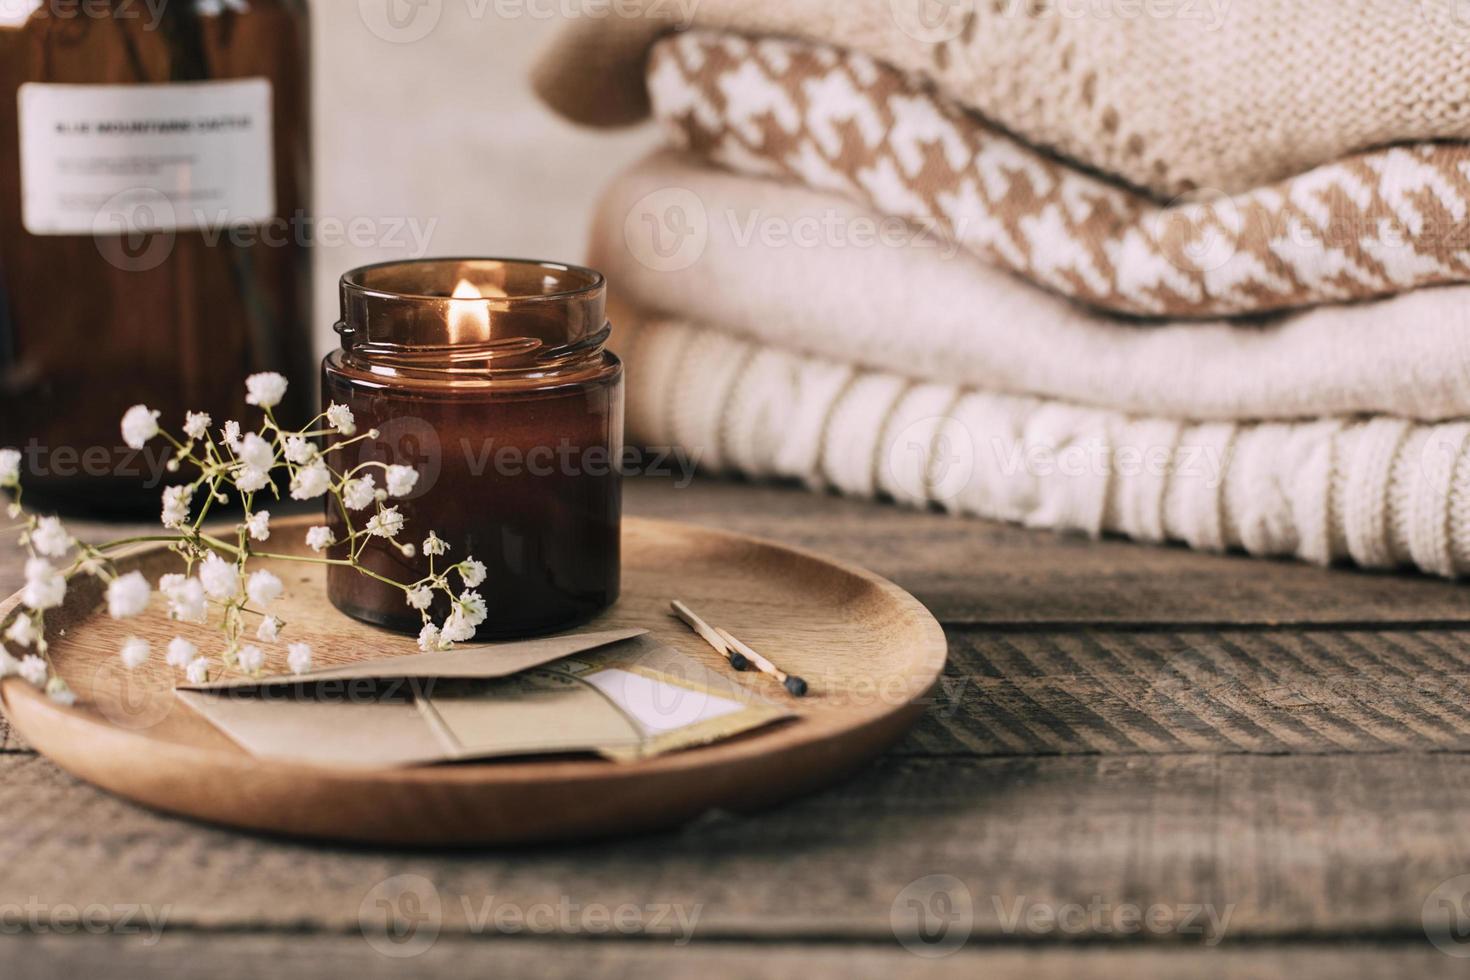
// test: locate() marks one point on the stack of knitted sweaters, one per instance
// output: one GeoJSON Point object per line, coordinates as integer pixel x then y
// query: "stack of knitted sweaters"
{"type": "Point", "coordinates": [1102, 274]}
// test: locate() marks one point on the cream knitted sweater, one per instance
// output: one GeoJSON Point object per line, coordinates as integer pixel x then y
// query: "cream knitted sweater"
{"type": "Point", "coordinates": [1170, 96]}
{"type": "Point", "coordinates": [1380, 492]}
{"type": "Point", "coordinates": [809, 271]}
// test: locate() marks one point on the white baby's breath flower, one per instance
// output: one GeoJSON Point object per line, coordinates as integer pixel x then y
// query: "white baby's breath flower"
{"type": "Point", "coordinates": [270, 630]}
{"type": "Point", "coordinates": [45, 587]}
{"type": "Point", "coordinates": [474, 608]}
{"type": "Point", "coordinates": [231, 436]}
{"type": "Point", "coordinates": [135, 653]}
{"type": "Point", "coordinates": [319, 539]}
{"type": "Point", "coordinates": [421, 598]}
{"type": "Point", "coordinates": [259, 525]}
{"type": "Point", "coordinates": [265, 390]}
{"type": "Point", "coordinates": [186, 600]}
{"type": "Point", "coordinates": [256, 453]}
{"type": "Point", "coordinates": [198, 671]}
{"type": "Point", "coordinates": [401, 480]}
{"type": "Point", "coordinates": [139, 424]}
{"type": "Point", "coordinates": [431, 640]}
{"type": "Point", "coordinates": [298, 658]}
{"type": "Point", "coordinates": [252, 660]}
{"type": "Point", "coordinates": [311, 481]}
{"type": "Point", "coordinates": [251, 480]}
{"type": "Point", "coordinates": [176, 503]}
{"type": "Point", "coordinates": [473, 572]}
{"type": "Point", "coordinates": [387, 523]}
{"type": "Point", "coordinates": [22, 632]}
{"type": "Point", "coordinates": [299, 450]}
{"type": "Point", "coordinates": [457, 628]}
{"type": "Point", "coordinates": [196, 424]}
{"type": "Point", "coordinates": [340, 416]}
{"type": "Point", "coordinates": [59, 693]}
{"type": "Point", "coordinates": [357, 494]}
{"type": "Point", "coordinates": [9, 666]}
{"type": "Point", "coordinates": [181, 653]}
{"type": "Point", "coordinates": [127, 596]}
{"type": "Point", "coordinates": [9, 467]}
{"type": "Point", "coordinates": [33, 670]}
{"type": "Point", "coordinates": [221, 579]}
{"type": "Point", "coordinates": [50, 538]}
{"type": "Point", "coordinates": [434, 546]}
{"type": "Point", "coordinates": [264, 588]}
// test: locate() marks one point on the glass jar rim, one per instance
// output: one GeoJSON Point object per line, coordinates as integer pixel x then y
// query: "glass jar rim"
{"type": "Point", "coordinates": [592, 282]}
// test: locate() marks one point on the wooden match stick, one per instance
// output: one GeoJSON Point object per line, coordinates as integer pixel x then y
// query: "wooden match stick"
{"type": "Point", "coordinates": [710, 636]}
{"type": "Point", "coordinates": [795, 685]}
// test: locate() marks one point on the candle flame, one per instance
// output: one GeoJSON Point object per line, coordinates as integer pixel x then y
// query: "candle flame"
{"type": "Point", "coordinates": [469, 322]}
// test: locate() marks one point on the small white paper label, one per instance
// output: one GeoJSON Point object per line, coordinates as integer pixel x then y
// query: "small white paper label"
{"type": "Point", "coordinates": [119, 159]}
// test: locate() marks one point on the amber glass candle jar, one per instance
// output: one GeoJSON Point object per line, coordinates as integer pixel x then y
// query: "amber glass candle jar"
{"type": "Point", "coordinates": [493, 379]}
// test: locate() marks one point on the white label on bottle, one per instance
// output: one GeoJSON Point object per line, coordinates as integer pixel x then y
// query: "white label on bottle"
{"type": "Point", "coordinates": [119, 159]}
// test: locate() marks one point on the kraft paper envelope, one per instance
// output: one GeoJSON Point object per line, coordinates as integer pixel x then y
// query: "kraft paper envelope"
{"type": "Point", "coordinates": [624, 700]}
{"type": "Point", "coordinates": [482, 662]}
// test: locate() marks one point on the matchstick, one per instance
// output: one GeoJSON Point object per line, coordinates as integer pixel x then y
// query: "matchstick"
{"type": "Point", "coordinates": [795, 685]}
{"type": "Point", "coordinates": [710, 636]}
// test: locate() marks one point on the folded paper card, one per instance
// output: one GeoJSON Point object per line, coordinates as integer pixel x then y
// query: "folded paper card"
{"type": "Point", "coordinates": [619, 695]}
{"type": "Point", "coordinates": [484, 662]}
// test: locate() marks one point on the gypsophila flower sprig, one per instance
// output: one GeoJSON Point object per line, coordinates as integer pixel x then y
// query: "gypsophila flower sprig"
{"type": "Point", "coordinates": [220, 578]}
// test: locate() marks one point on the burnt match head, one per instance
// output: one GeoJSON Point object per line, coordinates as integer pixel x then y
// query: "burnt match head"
{"type": "Point", "coordinates": [738, 661]}
{"type": "Point", "coordinates": [796, 686]}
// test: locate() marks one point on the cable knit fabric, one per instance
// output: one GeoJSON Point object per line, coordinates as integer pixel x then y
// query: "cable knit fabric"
{"type": "Point", "coordinates": [1377, 492]}
{"type": "Point", "coordinates": [1170, 96]}
{"type": "Point", "coordinates": [837, 280]}
{"type": "Point", "coordinates": [1366, 226]}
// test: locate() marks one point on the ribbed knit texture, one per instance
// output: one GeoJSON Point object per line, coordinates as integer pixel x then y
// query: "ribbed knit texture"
{"type": "Point", "coordinates": [1168, 96]}
{"type": "Point", "coordinates": [1380, 492]}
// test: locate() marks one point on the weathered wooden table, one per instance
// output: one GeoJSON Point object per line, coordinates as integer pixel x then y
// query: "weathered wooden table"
{"type": "Point", "coordinates": [1144, 762]}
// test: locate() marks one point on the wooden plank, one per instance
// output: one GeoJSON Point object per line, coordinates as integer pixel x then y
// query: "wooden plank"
{"type": "Point", "coordinates": [970, 571]}
{"type": "Point", "coordinates": [1200, 691]}
{"type": "Point", "coordinates": [1285, 847]}
{"type": "Point", "coordinates": [1190, 691]}
{"type": "Point", "coordinates": [322, 957]}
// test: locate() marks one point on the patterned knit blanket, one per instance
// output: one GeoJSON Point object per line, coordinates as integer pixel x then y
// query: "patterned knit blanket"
{"type": "Point", "coordinates": [1370, 225]}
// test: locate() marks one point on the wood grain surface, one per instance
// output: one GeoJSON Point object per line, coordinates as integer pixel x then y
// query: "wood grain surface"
{"type": "Point", "coordinates": [1118, 726]}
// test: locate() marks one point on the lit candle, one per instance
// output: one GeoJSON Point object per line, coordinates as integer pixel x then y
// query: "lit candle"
{"type": "Point", "coordinates": [519, 445]}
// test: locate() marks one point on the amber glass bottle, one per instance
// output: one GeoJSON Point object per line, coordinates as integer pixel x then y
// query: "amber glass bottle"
{"type": "Point", "coordinates": [154, 179]}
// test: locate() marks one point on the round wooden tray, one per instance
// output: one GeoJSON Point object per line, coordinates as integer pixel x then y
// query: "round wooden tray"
{"type": "Point", "coordinates": [871, 652]}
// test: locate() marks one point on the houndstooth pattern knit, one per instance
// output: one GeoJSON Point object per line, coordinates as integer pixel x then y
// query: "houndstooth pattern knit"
{"type": "Point", "coordinates": [1376, 224]}
{"type": "Point", "coordinates": [1377, 492]}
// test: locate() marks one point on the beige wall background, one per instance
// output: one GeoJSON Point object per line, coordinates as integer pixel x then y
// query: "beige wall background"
{"type": "Point", "coordinates": [443, 129]}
